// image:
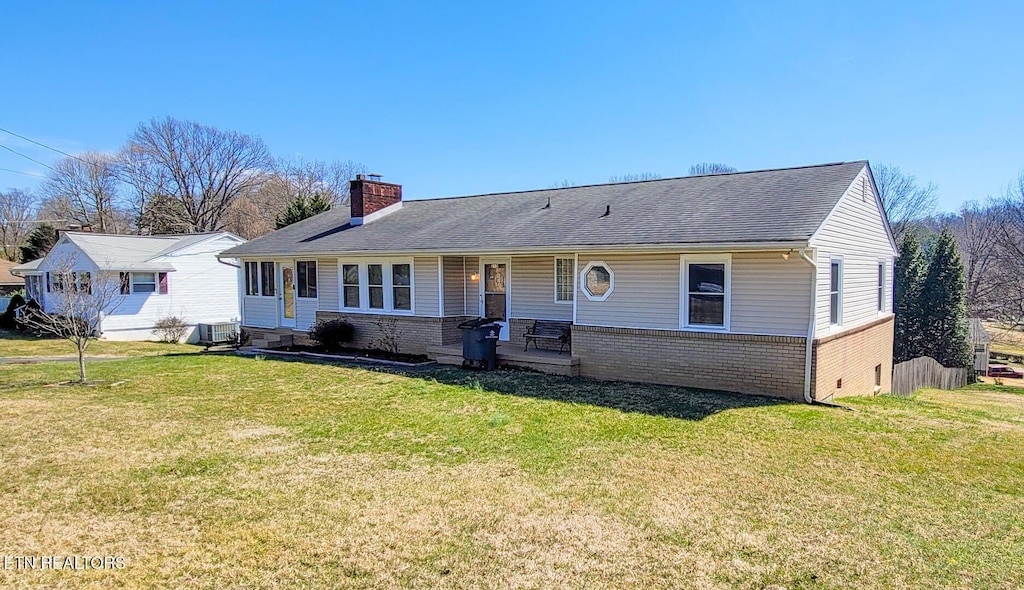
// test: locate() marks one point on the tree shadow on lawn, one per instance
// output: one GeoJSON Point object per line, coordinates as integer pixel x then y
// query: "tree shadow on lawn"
{"type": "Point", "coordinates": [655, 400]}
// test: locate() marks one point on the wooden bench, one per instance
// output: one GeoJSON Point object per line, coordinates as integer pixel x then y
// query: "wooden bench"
{"type": "Point", "coordinates": [549, 330]}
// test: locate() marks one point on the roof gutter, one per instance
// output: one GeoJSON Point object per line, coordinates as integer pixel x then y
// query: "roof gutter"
{"type": "Point", "coordinates": [631, 248]}
{"type": "Point", "coordinates": [809, 346]}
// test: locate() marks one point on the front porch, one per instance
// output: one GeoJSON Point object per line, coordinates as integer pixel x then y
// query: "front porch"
{"type": "Point", "coordinates": [512, 355]}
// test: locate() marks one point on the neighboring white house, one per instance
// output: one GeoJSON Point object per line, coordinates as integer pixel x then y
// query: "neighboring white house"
{"type": "Point", "coordinates": [157, 277]}
{"type": "Point", "coordinates": [774, 282]}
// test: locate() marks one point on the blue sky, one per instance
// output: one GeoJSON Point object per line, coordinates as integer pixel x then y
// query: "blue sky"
{"type": "Point", "coordinates": [484, 97]}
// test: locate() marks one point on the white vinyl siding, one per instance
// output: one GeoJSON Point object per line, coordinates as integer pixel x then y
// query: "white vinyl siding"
{"type": "Point", "coordinates": [472, 287]}
{"type": "Point", "coordinates": [426, 292]}
{"type": "Point", "coordinates": [646, 293]}
{"type": "Point", "coordinates": [260, 312]}
{"type": "Point", "coordinates": [533, 289]}
{"type": "Point", "coordinates": [327, 288]}
{"type": "Point", "coordinates": [454, 285]}
{"type": "Point", "coordinates": [770, 295]}
{"type": "Point", "coordinates": [855, 231]}
{"type": "Point", "coordinates": [197, 275]}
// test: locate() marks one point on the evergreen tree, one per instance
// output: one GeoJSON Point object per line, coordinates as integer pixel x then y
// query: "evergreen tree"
{"type": "Point", "coordinates": [39, 243]}
{"type": "Point", "coordinates": [911, 271]}
{"type": "Point", "coordinates": [300, 208]}
{"type": "Point", "coordinates": [944, 300]}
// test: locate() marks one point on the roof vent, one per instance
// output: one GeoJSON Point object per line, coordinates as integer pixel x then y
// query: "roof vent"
{"type": "Point", "coordinates": [607, 210]}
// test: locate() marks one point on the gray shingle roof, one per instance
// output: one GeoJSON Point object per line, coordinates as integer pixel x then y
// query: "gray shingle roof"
{"type": "Point", "coordinates": [783, 205]}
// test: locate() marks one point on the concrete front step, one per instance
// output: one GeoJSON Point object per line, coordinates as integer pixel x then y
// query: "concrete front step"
{"type": "Point", "coordinates": [545, 361]}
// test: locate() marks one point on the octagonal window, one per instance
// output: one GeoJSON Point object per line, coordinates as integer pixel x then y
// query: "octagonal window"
{"type": "Point", "coordinates": [597, 280]}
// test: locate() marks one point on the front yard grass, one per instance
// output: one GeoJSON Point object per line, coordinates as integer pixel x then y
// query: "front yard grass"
{"type": "Point", "coordinates": [220, 471]}
{"type": "Point", "coordinates": [13, 344]}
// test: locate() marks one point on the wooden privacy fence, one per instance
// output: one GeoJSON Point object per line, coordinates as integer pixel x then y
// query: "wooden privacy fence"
{"type": "Point", "coordinates": [925, 371]}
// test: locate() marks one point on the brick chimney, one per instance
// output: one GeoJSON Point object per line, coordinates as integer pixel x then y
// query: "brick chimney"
{"type": "Point", "coordinates": [372, 199]}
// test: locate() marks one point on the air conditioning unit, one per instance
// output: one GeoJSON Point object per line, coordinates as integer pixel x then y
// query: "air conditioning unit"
{"type": "Point", "coordinates": [218, 333]}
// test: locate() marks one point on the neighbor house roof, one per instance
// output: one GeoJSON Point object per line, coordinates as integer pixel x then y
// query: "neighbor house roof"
{"type": "Point", "coordinates": [134, 253]}
{"type": "Point", "coordinates": [21, 269]}
{"type": "Point", "coordinates": [6, 278]}
{"type": "Point", "coordinates": [783, 205]}
{"type": "Point", "coordinates": [979, 335]}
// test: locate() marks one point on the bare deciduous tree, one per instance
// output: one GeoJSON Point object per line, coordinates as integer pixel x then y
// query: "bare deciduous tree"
{"type": "Point", "coordinates": [203, 167]}
{"type": "Point", "coordinates": [306, 178]}
{"type": "Point", "coordinates": [634, 177]}
{"type": "Point", "coordinates": [905, 201]}
{"type": "Point", "coordinates": [17, 209]}
{"type": "Point", "coordinates": [254, 213]}
{"type": "Point", "coordinates": [977, 234]}
{"type": "Point", "coordinates": [709, 168]}
{"type": "Point", "coordinates": [77, 301]}
{"type": "Point", "coordinates": [84, 190]}
{"type": "Point", "coordinates": [1009, 276]}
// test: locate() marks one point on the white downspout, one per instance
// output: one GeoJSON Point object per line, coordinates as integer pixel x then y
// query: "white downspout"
{"type": "Point", "coordinates": [810, 326]}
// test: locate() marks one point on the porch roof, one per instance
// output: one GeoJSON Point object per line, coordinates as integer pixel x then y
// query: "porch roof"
{"type": "Point", "coordinates": [781, 206]}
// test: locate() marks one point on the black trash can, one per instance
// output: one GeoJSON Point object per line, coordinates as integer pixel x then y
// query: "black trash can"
{"type": "Point", "coordinates": [480, 343]}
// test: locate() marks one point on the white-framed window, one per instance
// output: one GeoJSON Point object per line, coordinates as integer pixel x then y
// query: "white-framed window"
{"type": "Point", "coordinates": [835, 291]}
{"type": "Point", "coordinates": [350, 286]}
{"type": "Point", "coordinates": [597, 280]}
{"type": "Point", "coordinates": [143, 282]}
{"type": "Point", "coordinates": [377, 286]}
{"type": "Point", "coordinates": [268, 279]}
{"type": "Point", "coordinates": [881, 285]}
{"type": "Point", "coordinates": [252, 278]}
{"type": "Point", "coordinates": [706, 288]}
{"type": "Point", "coordinates": [306, 278]}
{"type": "Point", "coordinates": [565, 273]}
{"type": "Point", "coordinates": [401, 286]}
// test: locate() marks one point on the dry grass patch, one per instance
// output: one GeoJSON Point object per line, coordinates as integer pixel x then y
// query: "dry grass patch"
{"type": "Point", "coordinates": [208, 471]}
{"type": "Point", "coordinates": [17, 345]}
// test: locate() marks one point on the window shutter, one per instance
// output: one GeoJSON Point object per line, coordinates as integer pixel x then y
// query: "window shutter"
{"type": "Point", "coordinates": [125, 284]}
{"type": "Point", "coordinates": [48, 283]}
{"type": "Point", "coordinates": [163, 283]}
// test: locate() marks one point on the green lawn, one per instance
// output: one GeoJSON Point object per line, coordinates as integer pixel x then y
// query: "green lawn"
{"type": "Point", "coordinates": [220, 471]}
{"type": "Point", "coordinates": [14, 344]}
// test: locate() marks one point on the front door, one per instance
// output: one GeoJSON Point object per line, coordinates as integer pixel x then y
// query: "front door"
{"type": "Point", "coordinates": [494, 300]}
{"type": "Point", "coordinates": [287, 295]}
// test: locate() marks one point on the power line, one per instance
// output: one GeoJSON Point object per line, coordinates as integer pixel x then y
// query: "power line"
{"type": "Point", "coordinates": [20, 172]}
{"type": "Point", "coordinates": [14, 151]}
{"type": "Point", "coordinates": [40, 144]}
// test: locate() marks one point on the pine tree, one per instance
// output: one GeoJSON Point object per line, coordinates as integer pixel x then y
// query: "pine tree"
{"type": "Point", "coordinates": [300, 208]}
{"type": "Point", "coordinates": [39, 243]}
{"type": "Point", "coordinates": [944, 301]}
{"type": "Point", "coordinates": [911, 271]}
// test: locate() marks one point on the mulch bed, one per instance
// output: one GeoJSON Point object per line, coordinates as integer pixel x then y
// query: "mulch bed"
{"type": "Point", "coordinates": [377, 354]}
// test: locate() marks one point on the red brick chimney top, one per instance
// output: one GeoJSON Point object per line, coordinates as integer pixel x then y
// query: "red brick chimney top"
{"type": "Point", "coordinates": [371, 196]}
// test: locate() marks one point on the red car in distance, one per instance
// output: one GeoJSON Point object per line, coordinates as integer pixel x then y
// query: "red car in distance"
{"type": "Point", "coordinates": [1004, 371]}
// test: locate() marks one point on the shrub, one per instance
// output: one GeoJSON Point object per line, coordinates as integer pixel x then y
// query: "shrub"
{"type": "Point", "coordinates": [7, 321]}
{"type": "Point", "coordinates": [332, 334]}
{"type": "Point", "coordinates": [170, 329]}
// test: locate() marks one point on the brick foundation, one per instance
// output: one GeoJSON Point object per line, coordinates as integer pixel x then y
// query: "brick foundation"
{"type": "Point", "coordinates": [416, 334]}
{"type": "Point", "coordinates": [764, 365]}
{"type": "Point", "coordinates": [852, 357]}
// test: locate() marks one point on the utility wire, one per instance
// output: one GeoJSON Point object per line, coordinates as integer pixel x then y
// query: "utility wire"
{"type": "Point", "coordinates": [20, 172]}
{"type": "Point", "coordinates": [40, 144]}
{"type": "Point", "coordinates": [13, 151]}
